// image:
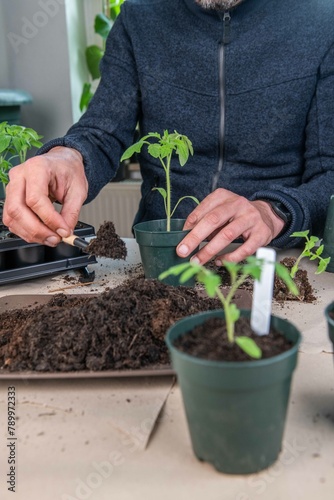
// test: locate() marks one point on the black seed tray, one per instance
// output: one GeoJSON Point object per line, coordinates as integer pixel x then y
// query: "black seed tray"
{"type": "Point", "coordinates": [20, 260]}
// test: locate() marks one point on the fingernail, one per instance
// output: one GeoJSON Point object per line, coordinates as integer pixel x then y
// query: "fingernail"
{"type": "Point", "coordinates": [51, 241]}
{"type": "Point", "coordinates": [183, 250]}
{"type": "Point", "coordinates": [62, 232]}
{"type": "Point", "coordinates": [218, 263]}
{"type": "Point", "coordinates": [195, 260]}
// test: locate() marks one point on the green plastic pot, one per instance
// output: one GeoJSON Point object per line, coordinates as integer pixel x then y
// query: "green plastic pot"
{"type": "Point", "coordinates": [236, 411]}
{"type": "Point", "coordinates": [330, 321]}
{"type": "Point", "coordinates": [157, 248]}
{"type": "Point", "coordinates": [328, 239]}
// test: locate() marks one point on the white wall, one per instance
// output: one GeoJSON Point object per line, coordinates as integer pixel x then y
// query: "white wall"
{"type": "Point", "coordinates": [35, 42]}
{"type": "Point", "coordinates": [4, 71]}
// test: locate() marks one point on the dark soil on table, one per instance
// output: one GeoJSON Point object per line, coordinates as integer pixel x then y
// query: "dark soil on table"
{"type": "Point", "coordinates": [306, 292]}
{"type": "Point", "coordinates": [107, 243]}
{"type": "Point", "coordinates": [122, 328]}
{"type": "Point", "coordinates": [280, 292]}
{"type": "Point", "coordinates": [209, 341]}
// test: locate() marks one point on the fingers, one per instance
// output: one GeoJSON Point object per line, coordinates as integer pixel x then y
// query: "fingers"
{"type": "Point", "coordinates": [28, 210]}
{"type": "Point", "coordinates": [20, 213]}
{"type": "Point", "coordinates": [222, 218]}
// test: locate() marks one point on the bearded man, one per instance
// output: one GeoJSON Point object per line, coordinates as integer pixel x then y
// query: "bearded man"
{"type": "Point", "coordinates": [250, 82]}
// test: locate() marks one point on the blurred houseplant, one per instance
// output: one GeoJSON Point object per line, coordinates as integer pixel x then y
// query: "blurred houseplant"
{"type": "Point", "coordinates": [94, 53]}
{"type": "Point", "coordinates": [15, 142]}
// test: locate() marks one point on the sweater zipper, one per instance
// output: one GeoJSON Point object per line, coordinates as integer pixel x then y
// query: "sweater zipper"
{"type": "Point", "coordinates": [222, 94]}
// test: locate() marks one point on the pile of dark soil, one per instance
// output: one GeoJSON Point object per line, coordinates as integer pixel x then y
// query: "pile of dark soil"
{"type": "Point", "coordinates": [281, 292]}
{"type": "Point", "coordinates": [123, 328]}
{"type": "Point", "coordinates": [209, 341]}
{"type": "Point", "coordinates": [107, 243]}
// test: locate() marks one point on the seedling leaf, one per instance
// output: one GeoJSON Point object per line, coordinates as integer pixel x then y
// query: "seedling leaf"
{"type": "Point", "coordinates": [249, 347]}
{"type": "Point", "coordinates": [300, 234]}
{"type": "Point", "coordinates": [283, 273]}
{"type": "Point", "coordinates": [162, 191]}
{"type": "Point", "coordinates": [135, 148]}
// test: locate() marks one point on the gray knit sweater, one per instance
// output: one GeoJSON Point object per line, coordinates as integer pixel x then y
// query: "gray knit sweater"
{"type": "Point", "coordinates": [253, 90]}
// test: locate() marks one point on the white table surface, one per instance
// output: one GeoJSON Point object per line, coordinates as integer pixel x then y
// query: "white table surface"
{"type": "Point", "coordinates": [127, 438]}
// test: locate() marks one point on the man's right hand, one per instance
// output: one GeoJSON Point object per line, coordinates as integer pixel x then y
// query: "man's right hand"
{"type": "Point", "coordinates": [35, 185]}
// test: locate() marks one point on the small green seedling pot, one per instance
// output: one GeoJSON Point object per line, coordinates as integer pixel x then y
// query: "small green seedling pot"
{"type": "Point", "coordinates": [158, 248]}
{"type": "Point", "coordinates": [236, 411]}
{"type": "Point", "coordinates": [329, 315]}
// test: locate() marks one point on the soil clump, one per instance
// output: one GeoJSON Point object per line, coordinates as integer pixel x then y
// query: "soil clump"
{"type": "Point", "coordinates": [107, 243]}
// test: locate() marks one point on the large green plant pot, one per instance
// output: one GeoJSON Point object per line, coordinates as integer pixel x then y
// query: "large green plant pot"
{"type": "Point", "coordinates": [236, 411]}
{"type": "Point", "coordinates": [330, 321]}
{"type": "Point", "coordinates": [158, 248]}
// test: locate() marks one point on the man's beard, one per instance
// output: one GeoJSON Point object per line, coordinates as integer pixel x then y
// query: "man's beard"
{"type": "Point", "coordinates": [218, 4]}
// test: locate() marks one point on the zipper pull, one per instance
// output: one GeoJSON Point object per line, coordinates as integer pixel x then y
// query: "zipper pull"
{"type": "Point", "coordinates": [227, 27]}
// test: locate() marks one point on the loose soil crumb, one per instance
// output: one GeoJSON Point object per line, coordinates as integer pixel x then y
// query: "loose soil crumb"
{"type": "Point", "coordinates": [123, 328]}
{"type": "Point", "coordinates": [209, 341]}
{"type": "Point", "coordinates": [107, 243]}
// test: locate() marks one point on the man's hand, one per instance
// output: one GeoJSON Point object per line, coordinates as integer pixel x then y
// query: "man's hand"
{"type": "Point", "coordinates": [35, 185]}
{"type": "Point", "coordinates": [222, 217]}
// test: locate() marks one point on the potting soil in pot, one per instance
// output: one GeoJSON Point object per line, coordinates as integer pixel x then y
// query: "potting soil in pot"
{"type": "Point", "coordinates": [209, 341]}
{"type": "Point", "coordinates": [122, 328]}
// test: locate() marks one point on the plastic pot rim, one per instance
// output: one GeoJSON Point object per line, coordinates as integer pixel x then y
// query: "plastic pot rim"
{"type": "Point", "coordinates": [232, 364]}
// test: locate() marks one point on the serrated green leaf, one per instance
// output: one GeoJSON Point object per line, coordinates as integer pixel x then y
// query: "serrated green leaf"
{"type": "Point", "coordinates": [249, 347]}
{"type": "Point", "coordinates": [155, 150]}
{"type": "Point", "coordinates": [162, 191]}
{"type": "Point", "coordinates": [300, 234]}
{"type": "Point", "coordinates": [182, 152]}
{"type": "Point", "coordinates": [36, 144]}
{"type": "Point", "coordinates": [210, 281]}
{"type": "Point", "coordinates": [322, 265]}
{"type": "Point", "coordinates": [135, 148]}
{"type": "Point", "coordinates": [174, 270]}
{"type": "Point", "coordinates": [151, 134]}
{"type": "Point", "coordinates": [187, 274]}
{"type": "Point", "coordinates": [4, 143]}
{"type": "Point", "coordinates": [283, 273]}
{"type": "Point", "coordinates": [319, 250]}
{"type": "Point", "coordinates": [18, 143]}
{"type": "Point", "coordinates": [166, 150]}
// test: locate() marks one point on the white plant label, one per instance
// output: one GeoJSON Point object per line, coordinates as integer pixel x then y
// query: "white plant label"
{"type": "Point", "coordinates": [263, 292]}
